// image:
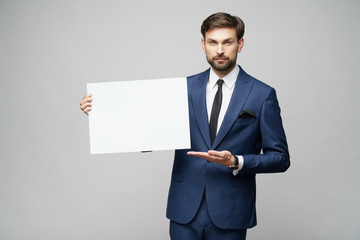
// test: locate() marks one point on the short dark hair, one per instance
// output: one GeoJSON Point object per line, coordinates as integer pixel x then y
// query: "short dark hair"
{"type": "Point", "coordinates": [222, 20]}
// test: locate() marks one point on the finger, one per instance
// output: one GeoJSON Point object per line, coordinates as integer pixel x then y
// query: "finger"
{"type": "Point", "coordinates": [85, 105]}
{"type": "Point", "coordinates": [216, 159]}
{"type": "Point", "coordinates": [206, 156]}
{"type": "Point", "coordinates": [222, 156]}
{"type": "Point", "coordinates": [86, 97]}
{"type": "Point", "coordinates": [203, 155]}
{"type": "Point", "coordinates": [217, 153]}
{"type": "Point", "coordinates": [198, 154]}
{"type": "Point", "coordinates": [87, 110]}
{"type": "Point", "coordinates": [85, 100]}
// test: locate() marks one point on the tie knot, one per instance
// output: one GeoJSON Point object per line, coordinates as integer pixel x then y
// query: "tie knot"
{"type": "Point", "coordinates": [220, 82]}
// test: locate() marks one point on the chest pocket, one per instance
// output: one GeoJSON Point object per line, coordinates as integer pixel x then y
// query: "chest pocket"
{"type": "Point", "coordinates": [245, 120]}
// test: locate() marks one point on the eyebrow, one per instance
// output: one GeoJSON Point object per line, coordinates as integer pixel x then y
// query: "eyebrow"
{"type": "Point", "coordinates": [225, 40]}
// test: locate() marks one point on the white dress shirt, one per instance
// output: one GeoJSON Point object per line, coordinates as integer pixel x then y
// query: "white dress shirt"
{"type": "Point", "coordinates": [227, 91]}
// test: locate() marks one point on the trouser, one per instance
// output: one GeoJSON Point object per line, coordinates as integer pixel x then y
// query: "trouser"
{"type": "Point", "coordinates": [202, 228]}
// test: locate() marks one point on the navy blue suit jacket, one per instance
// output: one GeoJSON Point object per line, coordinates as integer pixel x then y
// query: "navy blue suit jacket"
{"type": "Point", "coordinates": [252, 127]}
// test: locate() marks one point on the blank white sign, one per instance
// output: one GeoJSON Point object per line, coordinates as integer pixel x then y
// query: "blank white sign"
{"type": "Point", "coordinates": [143, 115]}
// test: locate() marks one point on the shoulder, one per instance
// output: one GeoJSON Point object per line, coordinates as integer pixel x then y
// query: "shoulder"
{"type": "Point", "coordinates": [257, 85]}
{"type": "Point", "coordinates": [204, 74]}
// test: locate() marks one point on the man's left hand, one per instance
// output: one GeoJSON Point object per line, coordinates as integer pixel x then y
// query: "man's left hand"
{"type": "Point", "coordinates": [224, 158]}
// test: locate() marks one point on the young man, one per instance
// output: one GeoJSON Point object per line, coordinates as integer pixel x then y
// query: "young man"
{"type": "Point", "coordinates": [236, 132]}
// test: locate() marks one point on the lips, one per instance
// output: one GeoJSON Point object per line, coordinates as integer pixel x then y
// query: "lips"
{"type": "Point", "coordinates": [221, 59]}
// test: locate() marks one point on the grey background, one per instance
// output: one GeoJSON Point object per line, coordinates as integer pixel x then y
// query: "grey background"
{"type": "Point", "coordinates": [52, 188]}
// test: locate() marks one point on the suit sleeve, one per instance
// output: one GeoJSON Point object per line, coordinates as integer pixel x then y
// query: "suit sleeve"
{"type": "Point", "coordinates": [275, 155]}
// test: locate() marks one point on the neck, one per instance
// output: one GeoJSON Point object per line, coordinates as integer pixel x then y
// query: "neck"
{"type": "Point", "coordinates": [223, 73]}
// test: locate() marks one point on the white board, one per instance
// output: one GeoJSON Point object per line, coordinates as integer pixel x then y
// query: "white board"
{"type": "Point", "coordinates": [143, 115]}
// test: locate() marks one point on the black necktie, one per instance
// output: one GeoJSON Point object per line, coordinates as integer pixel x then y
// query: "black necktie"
{"type": "Point", "coordinates": [216, 110]}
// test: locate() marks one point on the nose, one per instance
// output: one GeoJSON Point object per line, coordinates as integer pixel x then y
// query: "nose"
{"type": "Point", "coordinates": [220, 49]}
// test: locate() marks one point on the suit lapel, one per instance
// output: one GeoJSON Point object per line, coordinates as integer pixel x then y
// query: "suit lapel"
{"type": "Point", "coordinates": [241, 91]}
{"type": "Point", "coordinates": [198, 96]}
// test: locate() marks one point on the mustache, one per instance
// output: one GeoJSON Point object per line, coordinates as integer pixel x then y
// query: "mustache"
{"type": "Point", "coordinates": [220, 56]}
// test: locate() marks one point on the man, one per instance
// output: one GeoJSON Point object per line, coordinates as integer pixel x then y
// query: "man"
{"type": "Point", "coordinates": [236, 132]}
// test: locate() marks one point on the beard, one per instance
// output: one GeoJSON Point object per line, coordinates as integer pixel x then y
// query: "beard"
{"type": "Point", "coordinates": [221, 67]}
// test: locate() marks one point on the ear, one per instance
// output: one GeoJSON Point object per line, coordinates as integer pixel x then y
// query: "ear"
{"type": "Point", "coordinates": [241, 44]}
{"type": "Point", "coordinates": [203, 44]}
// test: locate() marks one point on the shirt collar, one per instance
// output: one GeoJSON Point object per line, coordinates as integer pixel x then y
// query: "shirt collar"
{"type": "Point", "coordinates": [229, 79]}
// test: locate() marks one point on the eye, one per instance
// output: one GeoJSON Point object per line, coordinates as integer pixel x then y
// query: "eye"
{"type": "Point", "coordinates": [228, 43]}
{"type": "Point", "coordinates": [212, 42]}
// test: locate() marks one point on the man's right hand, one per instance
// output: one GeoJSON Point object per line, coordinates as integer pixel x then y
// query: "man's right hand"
{"type": "Point", "coordinates": [85, 103]}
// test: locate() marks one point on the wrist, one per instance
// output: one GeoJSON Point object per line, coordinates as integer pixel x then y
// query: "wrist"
{"type": "Point", "coordinates": [236, 163]}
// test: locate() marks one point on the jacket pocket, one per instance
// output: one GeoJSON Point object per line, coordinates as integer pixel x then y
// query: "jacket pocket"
{"type": "Point", "coordinates": [177, 176]}
{"type": "Point", "coordinates": [244, 183]}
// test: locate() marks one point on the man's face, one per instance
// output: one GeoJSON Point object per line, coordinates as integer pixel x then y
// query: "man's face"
{"type": "Point", "coordinates": [221, 47]}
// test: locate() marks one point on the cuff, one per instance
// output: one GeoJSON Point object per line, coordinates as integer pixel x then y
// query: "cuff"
{"type": "Point", "coordinates": [241, 164]}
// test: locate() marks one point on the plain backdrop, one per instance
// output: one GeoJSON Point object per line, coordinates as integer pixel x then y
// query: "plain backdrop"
{"type": "Point", "coordinates": [52, 188]}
